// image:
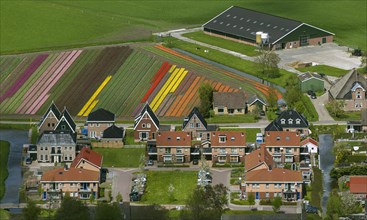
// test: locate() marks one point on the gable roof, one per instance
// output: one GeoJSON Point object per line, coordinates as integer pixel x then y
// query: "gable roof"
{"type": "Point", "coordinates": [55, 138]}
{"type": "Point", "coordinates": [88, 155]}
{"type": "Point", "coordinates": [274, 175]}
{"type": "Point", "coordinates": [244, 23]}
{"type": "Point", "coordinates": [173, 138]}
{"type": "Point", "coordinates": [282, 138]}
{"type": "Point", "coordinates": [53, 108]}
{"type": "Point", "coordinates": [273, 126]}
{"type": "Point", "coordinates": [258, 157]}
{"type": "Point", "coordinates": [233, 138]}
{"type": "Point", "coordinates": [72, 175]}
{"type": "Point", "coordinates": [309, 75]}
{"type": "Point", "coordinates": [309, 140]}
{"type": "Point", "coordinates": [113, 132]}
{"type": "Point", "coordinates": [276, 124]}
{"type": "Point", "coordinates": [66, 119]}
{"type": "Point", "coordinates": [255, 98]}
{"type": "Point", "coordinates": [342, 88]}
{"type": "Point", "coordinates": [358, 184]}
{"type": "Point", "coordinates": [146, 110]}
{"type": "Point", "coordinates": [229, 99]}
{"type": "Point", "coordinates": [195, 112]}
{"type": "Point", "coordinates": [101, 115]}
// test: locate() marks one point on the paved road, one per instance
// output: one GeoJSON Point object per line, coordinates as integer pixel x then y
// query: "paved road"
{"type": "Point", "coordinates": [121, 182]}
{"type": "Point", "coordinates": [16, 138]}
{"type": "Point", "coordinates": [321, 110]}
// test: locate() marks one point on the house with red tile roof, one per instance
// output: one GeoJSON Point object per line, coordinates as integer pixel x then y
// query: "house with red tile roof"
{"type": "Point", "coordinates": [310, 145]}
{"type": "Point", "coordinates": [173, 146]}
{"type": "Point", "coordinates": [88, 159]}
{"type": "Point", "coordinates": [284, 146]}
{"type": "Point", "coordinates": [77, 182]}
{"type": "Point", "coordinates": [228, 146]}
{"type": "Point", "coordinates": [358, 186]}
{"type": "Point", "coordinates": [80, 181]}
{"type": "Point", "coordinates": [258, 159]}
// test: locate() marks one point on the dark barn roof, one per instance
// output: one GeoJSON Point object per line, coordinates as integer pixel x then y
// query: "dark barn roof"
{"type": "Point", "coordinates": [113, 132]}
{"type": "Point", "coordinates": [101, 115]}
{"type": "Point", "coordinates": [244, 23]}
{"type": "Point", "coordinates": [149, 111]}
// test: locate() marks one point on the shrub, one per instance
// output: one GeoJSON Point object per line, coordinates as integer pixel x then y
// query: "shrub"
{"type": "Point", "coordinates": [265, 202]}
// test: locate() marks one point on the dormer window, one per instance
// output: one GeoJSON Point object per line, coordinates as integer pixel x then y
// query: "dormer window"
{"type": "Point", "coordinates": [358, 95]}
{"type": "Point", "coordinates": [298, 121]}
{"type": "Point", "coordinates": [178, 138]}
{"type": "Point", "coordinates": [290, 121]}
{"type": "Point", "coordinates": [278, 138]}
{"type": "Point", "coordinates": [287, 138]}
{"type": "Point", "coordinates": [233, 138]}
{"type": "Point", "coordinates": [222, 139]}
{"type": "Point", "coordinates": [143, 125]}
{"type": "Point", "coordinates": [148, 125]}
{"type": "Point", "coordinates": [282, 121]}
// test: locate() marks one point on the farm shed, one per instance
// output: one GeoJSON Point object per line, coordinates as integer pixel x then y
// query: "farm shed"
{"type": "Point", "coordinates": [311, 81]}
{"type": "Point", "coordinates": [241, 24]}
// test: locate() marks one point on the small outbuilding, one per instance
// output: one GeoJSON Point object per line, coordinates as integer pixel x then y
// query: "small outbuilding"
{"type": "Point", "coordinates": [311, 81]}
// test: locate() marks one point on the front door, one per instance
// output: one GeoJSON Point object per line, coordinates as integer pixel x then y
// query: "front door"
{"type": "Point", "coordinates": [257, 195]}
{"type": "Point", "coordinates": [298, 195]}
{"type": "Point", "coordinates": [44, 195]}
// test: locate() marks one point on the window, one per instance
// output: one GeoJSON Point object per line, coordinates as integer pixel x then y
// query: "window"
{"type": "Point", "coordinates": [233, 138]}
{"type": "Point", "coordinates": [298, 121]}
{"type": "Point", "coordinates": [234, 159]}
{"type": "Point", "coordinates": [97, 125]}
{"type": "Point", "coordinates": [222, 159]}
{"type": "Point", "coordinates": [143, 125]}
{"type": "Point", "coordinates": [41, 157]}
{"type": "Point", "coordinates": [267, 186]}
{"type": "Point", "coordinates": [70, 148]}
{"type": "Point", "coordinates": [257, 185]}
{"type": "Point", "coordinates": [65, 158]}
{"type": "Point", "coordinates": [197, 125]}
{"type": "Point", "coordinates": [276, 150]}
{"type": "Point", "coordinates": [48, 124]}
{"type": "Point", "coordinates": [70, 158]}
{"type": "Point", "coordinates": [290, 121]}
{"type": "Point", "coordinates": [222, 151]}
{"type": "Point", "coordinates": [230, 111]}
{"type": "Point", "coordinates": [277, 159]}
{"type": "Point", "coordinates": [267, 195]}
{"type": "Point", "coordinates": [288, 150]}
{"type": "Point", "coordinates": [153, 135]}
{"type": "Point", "coordinates": [222, 139]}
{"type": "Point", "coordinates": [66, 148]}
{"type": "Point", "coordinates": [358, 95]}
{"type": "Point", "coordinates": [270, 149]}
{"type": "Point", "coordinates": [148, 125]}
{"type": "Point", "coordinates": [234, 151]}
{"type": "Point", "coordinates": [239, 110]}
{"type": "Point", "coordinates": [180, 159]}
{"type": "Point", "coordinates": [220, 110]}
{"type": "Point", "coordinates": [253, 185]}
{"type": "Point", "coordinates": [46, 148]}
{"type": "Point", "coordinates": [91, 124]}
{"type": "Point", "coordinates": [289, 159]}
{"type": "Point", "coordinates": [46, 157]}
{"type": "Point", "coordinates": [278, 138]}
{"type": "Point", "coordinates": [179, 151]}
{"type": "Point", "coordinates": [287, 138]}
{"type": "Point", "coordinates": [41, 148]}
{"type": "Point", "coordinates": [62, 127]}
{"type": "Point", "coordinates": [167, 150]}
{"type": "Point", "coordinates": [200, 135]}
{"type": "Point", "coordinates": [191, 125]}
{"type": "Point", "coordinates": [282, 121]}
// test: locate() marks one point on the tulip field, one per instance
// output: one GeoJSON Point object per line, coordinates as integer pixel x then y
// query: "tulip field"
{"type": "Point", "coordinates": [120, 79]}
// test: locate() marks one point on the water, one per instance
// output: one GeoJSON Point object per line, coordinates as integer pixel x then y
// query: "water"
{"type": "Point", "coordinates": [16, 138]}
{"type": "Point", "coordinates": [327, 158]}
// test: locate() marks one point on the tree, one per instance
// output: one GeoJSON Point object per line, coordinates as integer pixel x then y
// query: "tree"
{"type": "Point", "coordinates": [206, 203]}
{"type": "Point", "coordinates": [333, 206]}
{"type": "Point", "coordinates": [268, 63]}
{"type": "Point", "coordinates": [349, 204]}
{"type": "Point", "coordinates": [206, 99]}
{"type": "Point", "coordinates": [251, 198]}
{"type": "Point", "coordinates": [32, 211]}
{"type": "Point", "coordinates": [107, 211]}
{"type": "Point", "coordinates": [341, 152]}
{"type": "Point", "coordinates": [276, 203]}
{"type": "Point", "coordinates": [119, 197]}
{"type": "Point", "coordinates": [335, 108]}
{"type": "Point", "coordinates": [272, 98]}
{"type": "Point", "coordinates": [72, 209]}
{"type": "Point", "coordinates": [92, 198]}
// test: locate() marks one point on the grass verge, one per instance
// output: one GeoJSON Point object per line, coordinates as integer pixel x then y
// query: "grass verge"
{"type": "Point", "coordinates": [248, 118]}
{"type": "Point", "coordinates": [245, 49]}
{"type": "Point", "coordinates": [317, 189]}
{"type": "Point", "coordinates": [4, 149]}
{"type": "Point", "coordinates": [328, 70]}
{"type": "Point", "coordinates": [4, 215]}
{"type": "Point", "coordinates": [158, 183]}
{"type": "Point", "coordinates": [120, 157]}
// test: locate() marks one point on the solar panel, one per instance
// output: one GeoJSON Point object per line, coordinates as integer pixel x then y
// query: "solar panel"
{"type": "Point", "coordinates": [268, 25]}
{"type": "Point", "coordinates": [221, 22]}
{"type": "Point", "coordinates": [234, 26]}
{"type": "Point", "coordinates": [248, 20]}
{"type": "Point", "coordinates": [261, 23]}
{"type": "Point", "coordinates": [228, 24]}
{"type": "Point", "coordinates": [287, 30]}
{"type": "Point", "coordinates": [228, 15]}
{"type": "Point", "coordinates": [241, 19]}
{"type": "Point", "coordinates": [255, 22]}
{"type": "Point", "coordinates": [248, 29]}
{"type": "Point", "coordinates": [215, 21]}
{"type": "Point", "coordinates": [234, 17]}
{"type": "Point", "coordinates": [241, 28]}
{"type": "Point", "coordinates": [281, 29]}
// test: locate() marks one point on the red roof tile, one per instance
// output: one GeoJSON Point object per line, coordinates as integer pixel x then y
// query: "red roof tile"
{"type": "Point", "coordinates": [89, 155]}
{"type": "Point", "coordinates": [258, 157]}
{"type": "Point", "coordinates": [309, 140]}
{"type": "Point", "coordinates": [282, 138]}
{"type": "Point", "coordinates": [233, 138]}
{"type": "Point", "coordinates": [274, 175]}
{"type": "Point", "coordinates": [72, 174]}
{"type": "Point", "coordinates": [358, 184]}
{"type": "Point", "coordinates": [173, 138]}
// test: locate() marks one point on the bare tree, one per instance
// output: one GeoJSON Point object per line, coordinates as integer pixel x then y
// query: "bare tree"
{"type": "Point", "coordinates": [268, 63]}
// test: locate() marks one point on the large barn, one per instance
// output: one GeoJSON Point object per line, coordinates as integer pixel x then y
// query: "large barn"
{"type": "Point", "coordinates": [245, 25]}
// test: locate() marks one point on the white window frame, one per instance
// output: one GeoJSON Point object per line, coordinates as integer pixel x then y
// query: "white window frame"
{"type": "Point", "coordinates": [282, 121]}
{"type": "Point", "coordinates": [221, 160]}
{"type": "Point", "coordinates": [148, 125]}
{"type": "Point", "coordinates": [222, 139]}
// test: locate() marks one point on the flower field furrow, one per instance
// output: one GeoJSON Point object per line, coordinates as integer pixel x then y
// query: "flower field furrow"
{"type": "Point", "coordinates": [90, 108]}
{"type": "Point", "coordinates": [179, 80]}
{"type": "Point", "coordinates": [163, 104]}
{"type": "Point", "coordinates": [26, 74]}
{"type": "Point", "coordinates": [8, 67]}
{"type": "Point", "coordinates": [190, 96]}
{"type": "Point", "coordinates": [95, 94]}
{"type": "Point", "coordinates": [169, 108]}
{"type": "Point", "coordinates": [160, 74]}
{"type": "Point", "coordinates": [52, 81]}
{"type": "Point", "coordinates": [156, 75]}
{"type": "Point", "coordinates": [158, 88]}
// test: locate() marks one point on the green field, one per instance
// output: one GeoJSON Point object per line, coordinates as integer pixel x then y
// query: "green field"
{"type": "Point", "coordinates": [37, 25]}
{"type": "Point", "coordinates": [184, 182]}
{"type": "Point", "coordinates": [223, 43]}
{"type": "Point", "coordinates": [328, 70]}
{"type": "Point", "coordinates": [117, 157]}
{"type": "Point", "coordinates": [4, 149]}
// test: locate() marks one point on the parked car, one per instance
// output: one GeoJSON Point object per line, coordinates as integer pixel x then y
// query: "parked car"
{"type": "Point", "coordinates": [150, 163]}
{"type": "Point", "coordinates": [28, 161]}
{"type": "Point", "coordinates": [313, 96]}
{"type": "Point", "coordinates": [311, 209]}
{"type": "Point", "coordinates": [195, 162]}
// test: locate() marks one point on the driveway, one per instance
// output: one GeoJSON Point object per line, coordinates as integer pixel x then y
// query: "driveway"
{"type": "Point", "coordinates": [328, 54]}
{"type": "Point", "coordinates": [16, 138]}
{"type": "Point", "coordinates": [321, 110]}
{"type": "Point", "coordinates": [121, 182]}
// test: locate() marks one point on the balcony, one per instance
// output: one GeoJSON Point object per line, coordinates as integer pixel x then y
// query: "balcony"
{"type": "Point", "coordinates": [85, 189]}
{"type": "Point", "coordinates": [304, 151]}
{"type": "Point", "coordinates": [207, 151]}
{"type": "Point", "coordinates": [195, 151]}
{"type": "Point", "coordinates": [152, 150]}
{"type": "Point", "coordinates": [53, 190]}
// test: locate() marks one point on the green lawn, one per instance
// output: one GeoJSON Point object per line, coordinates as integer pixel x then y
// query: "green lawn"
{"type": "Point", "coordinates": [223, 43]}
{"type": "Point", "coordinates": [250, 132]}
{"type": "Point", "coordinates": [4, 149]}
{"type": "Point", "coordinates": [184, 182]}
{"type": "Point", "coordinates": [317, 189]}
{"type": "Point", "coordinates": [347, 116]}
{"type": "Point", "coordinates": [120, 157]}
{"type": "Point", "coordinates": [35, 25]}
{"type": "Point", "coordinates": [4, 215]}
{"type": "Point", "coordinates": [248, 118]}
{"type": "Point", "coordinates": [328, 70]}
